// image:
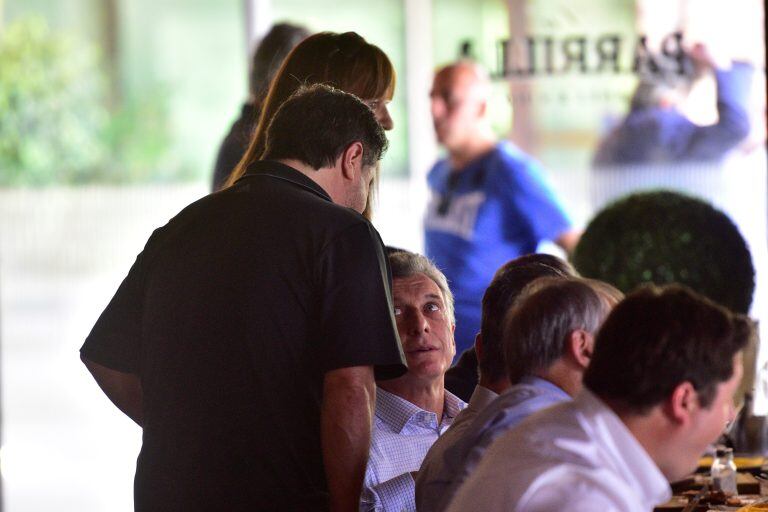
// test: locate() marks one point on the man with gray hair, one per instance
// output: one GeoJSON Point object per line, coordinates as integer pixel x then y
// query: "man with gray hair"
{"type": "Point", "coordinates": [413, 410]}
{"type": "Point", "coordinates": [548, 339]}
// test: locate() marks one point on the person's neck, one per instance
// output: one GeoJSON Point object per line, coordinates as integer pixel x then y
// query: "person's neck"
{"type": "Point", "coordinates": [497, 386]}
{"type": "Point", "coordinates": [565, 377]}
{"type": "Point", "coordinates": [428, 395]}
{"type": "Point", "coordinates": [327, 178]}
{"type": "Point", "coordinates": [653, 433]}
{"type": "Point", "coordinates": [475, 147]}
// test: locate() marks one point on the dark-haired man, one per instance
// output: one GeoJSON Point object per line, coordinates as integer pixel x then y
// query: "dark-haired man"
{"type": "Point", "coordinates": [548, 341]}
{"type": "Point", "coordinates": [245, 338]}
{"type": "Point", "coordinates": [658, 390]}
{"type": "Point", "coordinates": [506, 286]}
{"type": "Point", "coordinates": [489, 371]}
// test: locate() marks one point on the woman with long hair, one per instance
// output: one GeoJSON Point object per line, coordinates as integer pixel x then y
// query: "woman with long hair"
{"type": "Point", "coordinates": [345, 61]}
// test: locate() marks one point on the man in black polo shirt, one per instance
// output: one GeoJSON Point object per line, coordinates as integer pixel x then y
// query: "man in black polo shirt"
{"type": "Point", "coordinates": [246, 336]}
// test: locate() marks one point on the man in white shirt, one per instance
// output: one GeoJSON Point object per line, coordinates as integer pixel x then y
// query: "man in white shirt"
{"type": "Point", "coordinates": [548, 340]}
{"type": "Point", "coordinates": [658, 390]}
{"type": "Point", "coordinates": [507, 284]}
{"type": "Point", "coordinates": [413, 410]}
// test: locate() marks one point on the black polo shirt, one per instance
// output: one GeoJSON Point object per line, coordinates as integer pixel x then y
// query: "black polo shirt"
{"type": "Point", "coordinates": [231, 315]}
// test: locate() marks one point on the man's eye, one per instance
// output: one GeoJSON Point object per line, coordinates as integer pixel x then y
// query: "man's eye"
{"type": "Point", "coordinates": [432, 307]}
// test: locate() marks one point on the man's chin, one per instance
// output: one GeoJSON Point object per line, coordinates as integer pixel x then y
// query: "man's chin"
{"type": "Point", "coordinates": [424, 368]}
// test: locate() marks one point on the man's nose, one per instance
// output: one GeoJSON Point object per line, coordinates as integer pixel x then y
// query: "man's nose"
{"type": "Point", "coordinates": [385, 120]}
{"type": "Point", "coordinates": [416, 322]}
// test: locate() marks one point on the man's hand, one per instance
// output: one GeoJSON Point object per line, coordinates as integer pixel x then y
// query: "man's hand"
{"type": "Point", "coordinates": [124, 389]}
{"type": "Point", "coordinates": [569, 240]}
{"type": "Point", "coordinates": [349, 396]}
{"type": "Point", "coordinates": [705, 57]}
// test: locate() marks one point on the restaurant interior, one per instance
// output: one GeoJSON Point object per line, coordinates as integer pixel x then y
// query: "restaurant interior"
{"type": "Point", "coordinates": [138, 94]}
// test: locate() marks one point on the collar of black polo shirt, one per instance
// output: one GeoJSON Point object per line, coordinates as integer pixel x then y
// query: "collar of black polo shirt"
{"type": "Point", "coordinates": [280, 171]}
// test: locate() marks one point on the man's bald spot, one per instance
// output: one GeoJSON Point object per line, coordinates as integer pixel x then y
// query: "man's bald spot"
{"type": "Point", "coordinates": [464, 78]}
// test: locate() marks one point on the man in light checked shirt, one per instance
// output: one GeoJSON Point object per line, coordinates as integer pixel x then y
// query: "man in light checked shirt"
{"type": "Point", "coordinates": [412, 411]}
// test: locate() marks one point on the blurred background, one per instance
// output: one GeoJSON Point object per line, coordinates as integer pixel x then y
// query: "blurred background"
{"type": "Point", "coordinates": [112, 111]}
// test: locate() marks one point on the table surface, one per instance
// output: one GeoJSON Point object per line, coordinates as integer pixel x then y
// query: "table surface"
{"type": "Point", "coordinates": [747, 485]}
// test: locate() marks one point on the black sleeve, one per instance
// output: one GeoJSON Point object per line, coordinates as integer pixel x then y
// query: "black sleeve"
{"type": "Point", "coordinates": [115, 340]}
{"type": "Point", "coordinates": [358, 326]}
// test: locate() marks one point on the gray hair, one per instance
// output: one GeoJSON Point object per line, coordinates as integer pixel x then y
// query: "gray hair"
{"type": "Point", "coordinates": [545, 314]}
{"type": "Point", "coordinates": [406, 264]}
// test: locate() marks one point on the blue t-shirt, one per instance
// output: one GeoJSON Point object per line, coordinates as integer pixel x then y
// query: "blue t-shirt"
{"type": "Point", "coordinates": [495, 209]}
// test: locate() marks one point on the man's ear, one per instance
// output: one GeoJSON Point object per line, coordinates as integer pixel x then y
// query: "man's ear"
{"type": "Point", "coordinates": [580, 346]}
{"type": "Point", "coordinates": [352, 160]}
{"type": "Point", "coordinates": [682, 403]}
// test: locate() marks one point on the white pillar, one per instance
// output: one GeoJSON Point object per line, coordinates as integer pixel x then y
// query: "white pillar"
{"type": "Point", "coordinates": [258, 19]}
{"type": "Point", "coordinates": [419, 68]}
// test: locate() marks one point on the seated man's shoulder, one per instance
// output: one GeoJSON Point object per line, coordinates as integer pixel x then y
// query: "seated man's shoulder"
{"type": "Point", "coordinates": [521, 399]}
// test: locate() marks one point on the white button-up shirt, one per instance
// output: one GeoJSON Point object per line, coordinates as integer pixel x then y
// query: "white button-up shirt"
{"type": "Point", "coordinates": [576, 456]}
{"type": "Point", "coordinates": [402, 434]}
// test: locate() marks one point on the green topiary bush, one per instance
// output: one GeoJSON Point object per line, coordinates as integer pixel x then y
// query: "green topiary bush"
{"type": "Point", "coordinates": [665, 237]}
{"type": "Point", "coordinates": [55, 125]}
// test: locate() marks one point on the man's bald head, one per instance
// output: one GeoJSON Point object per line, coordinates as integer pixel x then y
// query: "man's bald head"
{"type": "Point", "coordinates": [459, 97]}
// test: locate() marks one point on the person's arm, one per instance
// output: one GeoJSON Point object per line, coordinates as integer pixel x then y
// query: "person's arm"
{"type": "Point", "coordinates": [568, 240]}
{"type": "Point", "coordinates": [349, 396]}
{"type": "Point", "coordinates": [123, 389]}
{"type": "Point", "coordinates": [734, 81]}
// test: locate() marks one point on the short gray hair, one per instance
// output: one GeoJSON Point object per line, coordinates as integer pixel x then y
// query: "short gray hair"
{"type": "Point", "coordinates": [406, 264]}
{"type": "Point", "coordinates": [545, 314]}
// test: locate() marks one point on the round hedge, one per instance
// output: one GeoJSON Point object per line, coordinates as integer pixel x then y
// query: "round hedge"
{"type": "Point", "coordinates": [664, 237]}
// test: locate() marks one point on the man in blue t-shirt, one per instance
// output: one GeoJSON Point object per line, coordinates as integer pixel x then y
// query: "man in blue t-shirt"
{"type": "Point", "coordinates": [489, 201]}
